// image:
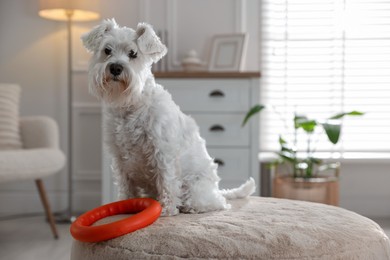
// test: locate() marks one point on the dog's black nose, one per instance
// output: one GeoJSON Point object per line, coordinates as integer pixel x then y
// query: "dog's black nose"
{"type": "Point", "coordinates": [116, 69]}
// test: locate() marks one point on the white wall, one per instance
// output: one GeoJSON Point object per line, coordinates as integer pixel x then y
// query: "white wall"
{"type": "Point", "coordinates": [364, 187]}
{"type": "Point", "coordinates": [33, 54]}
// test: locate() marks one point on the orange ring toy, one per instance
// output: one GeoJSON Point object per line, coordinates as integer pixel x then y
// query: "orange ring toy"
{"type": "Point", "coordinates": [147, 211]}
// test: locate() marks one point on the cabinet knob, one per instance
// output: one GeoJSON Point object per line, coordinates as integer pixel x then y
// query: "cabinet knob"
{"type": "Point", "coordinates": [216, 93]}
{"type": "Point", "coordinates": [217, 128]}
{"type": "Point", "coordinates": [219, 162]}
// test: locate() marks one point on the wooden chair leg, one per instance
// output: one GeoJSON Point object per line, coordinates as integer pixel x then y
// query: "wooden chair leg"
{"type": "Point", "coordinates": [45, 202]}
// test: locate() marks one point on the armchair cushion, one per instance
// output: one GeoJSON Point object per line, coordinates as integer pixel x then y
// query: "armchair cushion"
{"type": "Point", "coordinates": [9, 117]}
{"type": "Point", "coordinates": [39, 132]}
{"type": "Point", "coordinates": [41, 156]}
{"type": "Point", "coordinates": [27, 164]}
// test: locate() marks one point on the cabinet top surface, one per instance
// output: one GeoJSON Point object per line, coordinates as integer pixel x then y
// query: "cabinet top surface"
{"type": "Point", "coordinates": [206, 74]}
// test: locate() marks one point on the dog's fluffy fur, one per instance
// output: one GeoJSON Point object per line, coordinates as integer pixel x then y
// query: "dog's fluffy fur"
{"type": "Point", "coordinates": [157, 150]}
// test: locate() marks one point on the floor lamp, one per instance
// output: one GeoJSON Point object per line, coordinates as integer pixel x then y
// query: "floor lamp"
{"type": "Point", "coordinates": [69, 11]}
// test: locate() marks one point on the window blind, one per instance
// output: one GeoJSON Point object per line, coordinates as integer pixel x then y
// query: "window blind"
{"type": "Point", "coordinates": [322, 57]}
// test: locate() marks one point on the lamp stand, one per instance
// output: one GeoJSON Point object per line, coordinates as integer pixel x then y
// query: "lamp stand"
{"type": "Point", "coordinates": [69, 11]}
{"type": "Point", "coordinates": [67, 216]}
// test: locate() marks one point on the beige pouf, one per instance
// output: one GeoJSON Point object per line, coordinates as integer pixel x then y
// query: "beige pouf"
{"type": "Point", "coordinates": [255, 228]}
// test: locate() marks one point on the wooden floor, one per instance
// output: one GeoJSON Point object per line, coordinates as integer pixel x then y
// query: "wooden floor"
{"type": "Point", "coordinates": [30, 239]}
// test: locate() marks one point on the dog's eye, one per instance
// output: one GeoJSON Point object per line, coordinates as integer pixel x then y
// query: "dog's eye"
{"type": "Point", "coordinates": [107, 51]}
{"type": "Point", "coordinates": [132, 54]}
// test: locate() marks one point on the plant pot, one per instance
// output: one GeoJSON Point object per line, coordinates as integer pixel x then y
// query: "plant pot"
{"type": "Point", "coordinates": [322, 189]}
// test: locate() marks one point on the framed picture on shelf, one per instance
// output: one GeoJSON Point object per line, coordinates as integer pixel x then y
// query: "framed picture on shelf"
{"type": "Point", "coordinates": [228, 52]}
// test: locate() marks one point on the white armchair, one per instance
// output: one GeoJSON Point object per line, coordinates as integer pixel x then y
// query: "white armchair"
{"type": "Point", "coordinates": [39, 157]}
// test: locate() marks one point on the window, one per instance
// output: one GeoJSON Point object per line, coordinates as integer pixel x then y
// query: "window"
{"type": "Point", "coordinates": [322, 57]}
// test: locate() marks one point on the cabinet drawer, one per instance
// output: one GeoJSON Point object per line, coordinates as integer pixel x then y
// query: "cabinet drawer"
{"type": "Point", "coordinates": [223, 129]}
{"type": "Point", "coordinates": [233, 166]}
{"type": "Point", "coordinates": [209, 95]}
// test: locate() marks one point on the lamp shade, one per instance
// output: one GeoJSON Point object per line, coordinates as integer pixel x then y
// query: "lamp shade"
{"type": "Point", "coordinates": [62, 10]}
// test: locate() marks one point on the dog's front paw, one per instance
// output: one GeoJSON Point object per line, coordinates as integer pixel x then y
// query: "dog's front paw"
{"type": "Point", "coordinates": [169, 211]}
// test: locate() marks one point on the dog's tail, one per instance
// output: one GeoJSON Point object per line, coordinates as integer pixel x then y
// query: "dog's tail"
{"type": "Point", "coordinates": [243, 191]}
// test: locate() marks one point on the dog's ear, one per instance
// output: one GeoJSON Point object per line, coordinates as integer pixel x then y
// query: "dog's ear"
{"type": "Point", "coordinates": [92, 39]}
{"type": "Point", "coordinates": [149, 43]}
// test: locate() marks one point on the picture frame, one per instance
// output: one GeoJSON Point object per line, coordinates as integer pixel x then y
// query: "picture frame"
{"type": "Point", "coordinates": [228, 52]}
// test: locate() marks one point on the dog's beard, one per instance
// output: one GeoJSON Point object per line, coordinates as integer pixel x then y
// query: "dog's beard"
{"type": "Point", "coordinates": [116, 90]}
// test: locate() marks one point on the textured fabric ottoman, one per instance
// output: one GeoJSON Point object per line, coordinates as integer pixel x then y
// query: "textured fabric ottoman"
{"type": "Point", "coordinates": [255, 228]}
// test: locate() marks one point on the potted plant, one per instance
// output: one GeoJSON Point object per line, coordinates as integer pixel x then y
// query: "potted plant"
{"type": "Point", "coordinates": [302, 175]}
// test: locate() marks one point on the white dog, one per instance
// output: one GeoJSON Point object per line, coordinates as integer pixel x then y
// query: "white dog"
{"type": "Point", "coordinates": [157, 150]}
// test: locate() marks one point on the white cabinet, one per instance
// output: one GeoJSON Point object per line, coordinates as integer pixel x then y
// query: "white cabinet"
{"type": "Point", "coordinates": [218, 102]}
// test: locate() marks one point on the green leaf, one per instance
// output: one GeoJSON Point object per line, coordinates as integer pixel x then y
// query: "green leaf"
{"type": "Point", "coordinates": [287, 156]}
{"type": "Point", "coordinates": [352, 113]}
{"type": "Point", "coordinates": [285, 146]}
{"type": "Point", "coordinates": [298, 120]}
{"type": "Point", "coordinates": [254, 110]}
{"type": "Point", "coordinates": [332, 131]}
{"type": "Point", "coordinates": [281, 140]}
{"type": "Point", "coordinates": [308, 126]}
{"type": "Point", "coordinates": [314, 160]}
